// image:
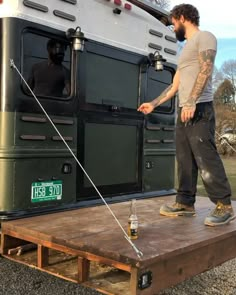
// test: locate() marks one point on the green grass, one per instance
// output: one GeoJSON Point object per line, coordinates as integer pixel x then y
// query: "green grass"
{"type": "Point", "coordinates": [230, 168]}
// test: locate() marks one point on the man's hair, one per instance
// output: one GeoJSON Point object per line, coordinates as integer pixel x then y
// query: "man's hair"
{"type": "Point", "coordinates": [52, 43]}
{"type": "Point", "coordinates": [188, 11]}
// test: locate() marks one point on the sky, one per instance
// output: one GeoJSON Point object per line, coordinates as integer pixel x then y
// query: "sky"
{"type": "Point", "coordinates": [221, 21]}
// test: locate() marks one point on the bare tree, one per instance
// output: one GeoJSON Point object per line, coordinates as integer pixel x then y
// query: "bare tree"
{"type": "Point", "coordinates": [225, 92]}
{"type": "Point", "coordinates": [228, 70]}
{"type": "Point", "coordinates": [164, 4]}
{"type": "Point", "coordinates": [217, 78]}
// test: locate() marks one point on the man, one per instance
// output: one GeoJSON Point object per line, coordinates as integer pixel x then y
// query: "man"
{"type": "Point", "coordinates": [195, 128]}
{"type": "Point", "coordinates": [50, 77]}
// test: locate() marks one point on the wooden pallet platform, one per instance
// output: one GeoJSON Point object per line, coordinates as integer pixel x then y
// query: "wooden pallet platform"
{"type": "Point", "coordinates": [87, 246]}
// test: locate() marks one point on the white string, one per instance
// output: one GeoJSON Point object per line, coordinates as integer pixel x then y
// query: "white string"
{"type": "Point", "coordinates": [138, 252]}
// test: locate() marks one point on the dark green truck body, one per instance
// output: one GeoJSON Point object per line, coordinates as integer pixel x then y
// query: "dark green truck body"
{"type": "Point", "coordinates": [126, 154]}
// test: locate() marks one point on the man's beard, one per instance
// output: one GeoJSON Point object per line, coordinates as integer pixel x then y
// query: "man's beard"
{"type": "Point", "coordinates": [57, 58]}
{"type": "Point", "coordinates": [180, 33]}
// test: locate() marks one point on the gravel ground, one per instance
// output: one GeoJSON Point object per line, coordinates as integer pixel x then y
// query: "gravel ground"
{"type": "Point", "coordinates": [18, 279]}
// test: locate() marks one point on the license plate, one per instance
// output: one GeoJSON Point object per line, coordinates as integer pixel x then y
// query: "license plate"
{"type": "Point", "coordinates": [46, 191]}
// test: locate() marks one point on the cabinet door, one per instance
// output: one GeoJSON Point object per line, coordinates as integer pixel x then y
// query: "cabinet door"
{"type": "Point", "coordinates": [110, 150]}
{"type": "Point", "coordinates": [159, 172]}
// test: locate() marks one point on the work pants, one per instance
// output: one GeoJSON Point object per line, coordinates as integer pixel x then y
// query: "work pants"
{"type": "Point", "coordinates": [196, 151]}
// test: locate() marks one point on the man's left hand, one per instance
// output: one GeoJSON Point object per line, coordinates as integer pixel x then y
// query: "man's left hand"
{"type": "Point", "coordinates": [187, 113]}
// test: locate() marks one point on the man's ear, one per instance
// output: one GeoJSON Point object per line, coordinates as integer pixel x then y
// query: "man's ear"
{"type": "Point", "coordinates": [182, 19]}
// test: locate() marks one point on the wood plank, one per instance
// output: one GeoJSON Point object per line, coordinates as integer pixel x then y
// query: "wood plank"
{"type": "Point", "coordinates": [134, 281]}
{"type": "Point", "coordinates": [171, 246]}
{"type": "Point", "coordinates": [43, 256]}
{"type": "Point", "coordinates": [83, 269]}
{"type": "Point", "coordinates": [171, 271]}
{"type": "Point", "coordinates": [9, 242]}
{"type": "Point", "coordinates": [159, 235]}
{"type": "Point", "coordinates": [22, 249]}
{"type": "Point", "coordinates": [68, 250]}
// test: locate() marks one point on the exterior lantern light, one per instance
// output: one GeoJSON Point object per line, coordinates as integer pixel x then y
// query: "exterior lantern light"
{"type": "Point", "coordinates": [157, 60]}
{"type": "Point", "coordinates": [77, 38]}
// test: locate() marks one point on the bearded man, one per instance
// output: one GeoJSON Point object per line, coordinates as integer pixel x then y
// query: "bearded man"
{"type": "Point", "coordinates": [195, 128]}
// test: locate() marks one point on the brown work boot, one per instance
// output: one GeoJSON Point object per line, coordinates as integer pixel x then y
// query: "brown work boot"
{"type": "Point", "coordinates": [221, 215]}
{"type": "Point", "coordinates": [177, 209]}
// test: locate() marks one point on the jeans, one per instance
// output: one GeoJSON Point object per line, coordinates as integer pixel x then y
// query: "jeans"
{"type": "Point", "coordinates": [196, 151]}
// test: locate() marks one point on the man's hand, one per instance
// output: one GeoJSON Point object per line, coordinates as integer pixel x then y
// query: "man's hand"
{"type": "Point", "coordinates": [187, 113]}
{"type": "Point", "coordinates": [146, 108]}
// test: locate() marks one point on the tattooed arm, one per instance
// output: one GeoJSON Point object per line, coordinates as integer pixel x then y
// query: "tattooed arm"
{"type": "Point", "coordinates": [206, 61]}
{"type": "Point", "coordinates": [167, 94]}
